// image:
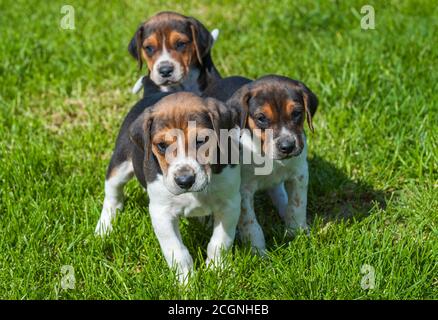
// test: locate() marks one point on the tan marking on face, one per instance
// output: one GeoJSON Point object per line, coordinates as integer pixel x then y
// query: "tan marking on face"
{"type": "Point", "coordinates": [166, 38]}
{"type": "Point", "coordinates": [173, 112]}
{"type": "Point", "coordinates": [164, 136]}
{"type": "Point", "coordinates": [157, 43]}
{"type": "Point", "coordinates": [289, 106]}
{"type": "Point", "coordinates": [270, 113]}
{"type": "Point", "coordinates": [183, 57]}
{"type": "Point", "coordinates": [288, 109]}
{"type": "Point", "coordinates": [260, 133]}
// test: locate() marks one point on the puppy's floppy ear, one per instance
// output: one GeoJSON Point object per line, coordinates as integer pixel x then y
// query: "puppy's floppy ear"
{"type": "Point", "coordinates": [202, 39]}
{"type": "Point", "coordinates": [239, 101]}
{"type": "Point", "coordinates": [134, 46]}
{"type": "Point", "coordinates": [310, 104]}
{"type": "Point", "coordinates": [140, 132]}
{"type": "Point", "coordinates": [220, 115]}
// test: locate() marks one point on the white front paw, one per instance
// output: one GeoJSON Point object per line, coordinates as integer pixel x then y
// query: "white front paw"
{"type": "Point", "coordinates": [183, 265]}
{"type": "Point", "coordinates": [104, 226]}
{"type": "Point", "coordinates": [217, 262]}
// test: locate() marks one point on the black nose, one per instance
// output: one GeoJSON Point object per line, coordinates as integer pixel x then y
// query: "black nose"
{"type": "Point", "coordinates": [166, 70]}
{"type": "Point", "coordinates": [286, 146]}
{"type": "Point", "coordinates": [185, 181]}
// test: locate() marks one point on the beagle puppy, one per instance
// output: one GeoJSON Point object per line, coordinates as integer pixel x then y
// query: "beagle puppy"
{"type": "Point", "coordinates": [281, 105]}
{"type": "Point", "coordinates": [176, 50]}
{"type": "Point", "coordinates": [180, 182]}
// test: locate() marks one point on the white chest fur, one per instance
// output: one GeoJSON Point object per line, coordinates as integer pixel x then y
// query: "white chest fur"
{"type": "Point", "coordinates": [222, 187]}
{"type": "Point", "coordinates": [281, 169]}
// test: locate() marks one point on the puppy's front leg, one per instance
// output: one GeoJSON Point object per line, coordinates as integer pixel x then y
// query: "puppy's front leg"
{"type": "Point", "coordinates": [167, 231]}
{"type": "Point", "coordinates": [249, 227]}
{"type": "Point", "coordinates": [296, 188]}
{"type": "Point", "coordinates": [224, 231]}
{"type": "Point", "coordinates": [279, 199]}
{"type": "Point", "coordinates": [117, 177]}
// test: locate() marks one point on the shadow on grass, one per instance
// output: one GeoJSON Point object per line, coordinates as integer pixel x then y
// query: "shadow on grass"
{"type": "Point", "coordinates": [332, 196]}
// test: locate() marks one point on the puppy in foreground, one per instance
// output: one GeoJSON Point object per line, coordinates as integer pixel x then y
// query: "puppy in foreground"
{"type": "Point", "coordinates": [189, 184]}
{"type": "Point", "coordinates": [177, 52]}
{"type": "Point", "coordinates": [273, 109]}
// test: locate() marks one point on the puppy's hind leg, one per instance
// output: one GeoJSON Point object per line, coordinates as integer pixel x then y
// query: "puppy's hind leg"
{"type": "Point", "coordinates": [120, 171]}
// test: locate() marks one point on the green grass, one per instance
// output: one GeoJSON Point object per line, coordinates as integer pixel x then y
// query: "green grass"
{"type": "Point", "coordinates": [373, 158]}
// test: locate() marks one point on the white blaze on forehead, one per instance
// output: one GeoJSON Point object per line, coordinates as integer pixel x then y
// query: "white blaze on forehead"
{"type": "Point", "coordinates": [285, 132]}
{"type": "Point", "coordinates": [165, 56]}
{"type": "Point", "coordinates": [177, 73]}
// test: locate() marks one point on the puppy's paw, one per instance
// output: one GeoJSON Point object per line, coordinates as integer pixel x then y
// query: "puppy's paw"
{"type": "Point", "coordinates": [184, 273]}
{"type": "Point", "coordinates": [181, 263]}
{"type": "Point", "coordinates": [184, 277]}
{"type": "Point", "coordinates": [104, 226]}
{"type": "Point", "coordinates": [216, 263]}
{"type": "Point", "coordinates": [295, 229]}
{"type": "Point", "coordinates": [260, 251]}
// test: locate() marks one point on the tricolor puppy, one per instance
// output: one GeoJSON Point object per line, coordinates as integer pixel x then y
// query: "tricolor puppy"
{"type": "Point", "coordinates": [281, 105]}
{"type": "Point", "coordinates": [179, 182]}
{"type": "Point", "coordinates": [176, 50]}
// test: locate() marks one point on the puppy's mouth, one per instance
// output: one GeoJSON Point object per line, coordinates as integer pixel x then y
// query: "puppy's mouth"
{"type": "Point", "coordinates": [187, 179]}
{"type": "Point", "coordinates": [281, 156]}
{"type": "Point", "coordinates": [173, 80]}
{"type": "Point", "coordinates": [168, 82]}
{"type": "Point", "coordinates": [178, 190]}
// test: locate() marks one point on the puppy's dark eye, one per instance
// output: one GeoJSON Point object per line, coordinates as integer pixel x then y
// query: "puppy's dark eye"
{"type": "Point", "coordinates": [200, 142]}
{"type": "Point", "coordinates": [261, 119]}
{"type": "Point", "coordinates": [180, 45]}
{"type": "Point", "coordinates": [149, 50]}
{"type": "Point", "coordinates": [162, 146]}
{"type": "Point", "coordinates": [296, 115]}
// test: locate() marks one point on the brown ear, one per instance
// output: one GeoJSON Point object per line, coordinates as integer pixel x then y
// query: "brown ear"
{"type": "Point", "coordinates": [239, 101]}
{"type": "Point", "coordinates": [140, 132]}
{"type": "Point", "coordinates": [202, 39]}
{"type": "Point", "coordinates": [134, 46]}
